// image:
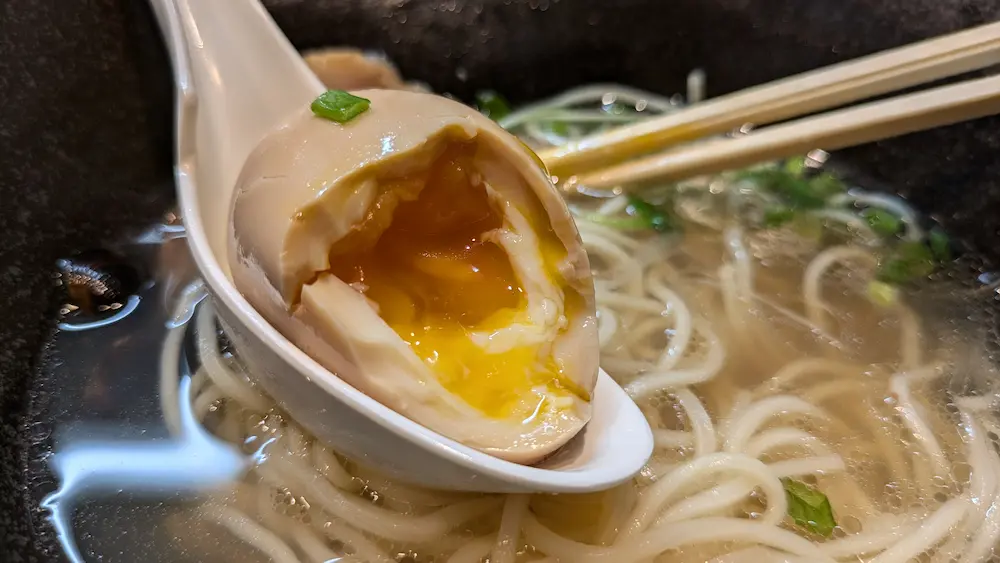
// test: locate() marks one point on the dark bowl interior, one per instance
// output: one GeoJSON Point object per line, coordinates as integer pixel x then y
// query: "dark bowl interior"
{"type": "Point", "coordinates": [86, 120]}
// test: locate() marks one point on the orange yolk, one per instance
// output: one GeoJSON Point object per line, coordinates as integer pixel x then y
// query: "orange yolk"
{"type": "Point", "coordinates": [435, 279]}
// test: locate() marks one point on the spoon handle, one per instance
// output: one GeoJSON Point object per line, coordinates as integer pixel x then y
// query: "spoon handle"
{"type": "Point", "coordinates": [234, 49]}
{"type": "Point", "coordinates": [238, 78]}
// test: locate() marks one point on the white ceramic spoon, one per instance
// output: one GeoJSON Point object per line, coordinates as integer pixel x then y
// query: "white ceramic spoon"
{"type": "Point", "coordinates": [238, 78]}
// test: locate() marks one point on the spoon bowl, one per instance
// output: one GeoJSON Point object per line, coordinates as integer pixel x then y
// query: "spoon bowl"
{"type": "Point", "coordinates": [238, 78]}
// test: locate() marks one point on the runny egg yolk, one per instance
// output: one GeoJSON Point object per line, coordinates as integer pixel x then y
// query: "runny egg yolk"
{"type": "Point", "coordinates": [435, 279]}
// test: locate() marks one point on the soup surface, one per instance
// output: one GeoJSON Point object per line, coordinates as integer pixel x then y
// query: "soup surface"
{"type": "Point", "coordinates": [813, 397]}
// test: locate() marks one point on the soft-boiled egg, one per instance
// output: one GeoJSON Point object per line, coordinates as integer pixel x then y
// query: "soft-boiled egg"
{"type": "Point", "coordinates": [421, 253]}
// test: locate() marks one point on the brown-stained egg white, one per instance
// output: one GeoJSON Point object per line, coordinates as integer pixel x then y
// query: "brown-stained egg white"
{"type": "Point", "coordinates": [421, 253]}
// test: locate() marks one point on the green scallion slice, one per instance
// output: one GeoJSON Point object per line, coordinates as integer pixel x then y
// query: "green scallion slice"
{"type": "Point", "coordinates": [339, 106]}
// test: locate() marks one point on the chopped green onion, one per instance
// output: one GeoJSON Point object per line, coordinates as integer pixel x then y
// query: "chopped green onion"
{"type": "Point", "coordinates": [641, 215]}
{"type": "Point", "coordinates": [560, 128]}
{"type": "Point", "coordinates": [778, 216]}
{"type": "Point", "coordinates": [795, 166]}
{"type": "Point", "coordinates": [809, 508]}
{"type": "Point", "coordinates": [656, 218]}
{"type": "Point", "coordinates": [620, 223]}
{"type": "Point", "coordinates": [339, 106]}
{"type": "Point", "coordinates": [882, 294]}
{"type": "Point", "coordinates": [809, 227]}
{"type": "Point", "coordinates": [940, 245]}
{"type": "Point", "coordinates": [492, 105]}
{"type": "Point", "coordinates": [826, 185]}
{"type": "Point", "coordinates": [911, 260]}
{"type": "Point", "coordinates": [882, 222]}
{"type": "Point", "coordinates": [797, 193]}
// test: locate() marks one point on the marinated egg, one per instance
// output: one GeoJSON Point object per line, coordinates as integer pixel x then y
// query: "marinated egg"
{"type": "Point", "coordinates": [422, 254]}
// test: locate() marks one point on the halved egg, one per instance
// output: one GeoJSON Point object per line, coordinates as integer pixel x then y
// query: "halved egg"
{"type": "Point", "coordinates": [421, 253]}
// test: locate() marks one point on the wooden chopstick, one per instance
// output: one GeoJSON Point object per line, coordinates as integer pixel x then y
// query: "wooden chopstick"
{"type": "Point", "coordinates": [805, 93]}
{"type": "Point", "coordinates": [833, 130]}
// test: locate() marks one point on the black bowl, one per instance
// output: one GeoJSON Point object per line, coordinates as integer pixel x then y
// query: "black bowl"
{"type": "Point", "coordinates": [86, 120]}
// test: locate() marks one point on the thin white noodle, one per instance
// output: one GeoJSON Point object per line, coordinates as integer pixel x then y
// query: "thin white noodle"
{"type": "Point", "coordinates": [243, 527]}
{"type": "Point", "coordinates": [649, 329]}
{"type": "Point", "coordinates": [982, 483]}
{"type": "Point", "coordinates": [984, 543]}
{"type": "Point", "coordinates": [683, 321]}
{"type": "Point", "coordinates": [976, 404]}
{"type": "Point", "coordinates": [930, 532]}
{"type": "Point", "coordinates": [819, 465]}
{"type": "Point", "coordinates": [505, 548]}
{"type": "Point", "coordinates": [666, 488]}
{"type": "Point", "coordinates": [700, 421]}
{"type": "Point", "coordinates": [910, 413]}
{"type": "Point", "coordinates": [613, 205]}
{"type": "Point", "coordinates": [651, 383]}
{"type": "Point", "coordinates": [795, 370]}
{"type": "Point", "coordinates": [852, 221]}
{"type": "Point", "coordinates": [535, 131]}
{"type": "Point", "coordinates": [473, 552]}
{"type": "Point", "coordinates": [363, 547]}
{"type": "Point", "coordinates": [757, 554]}
{"type": "Point", "coordinates": [812, 279]}
{"type": "Point", "coordinates": [734, 305]}
{"type": "Point", "coordinates": [821, 333]}
{"type": "Point", "coordinates": [714, 501]}
{"type": "Point", "coordinates": [169, 372]}
{"type": "Point", "coordinates": [310, 544]}
{"type": "Point", "coordinates": [761, 411]}
{"type": "Point", "coordinates": [910, 346]}
{"type": "Point", "coordinates": [293, 439]}
{"type": "Point", "coordinates": [587, 94]}
{"type": "Point", "coordinates": [328, 464]}
{"type": "Point", "coordinates": [785, 437]}
{"type": "Point", "coordinates": [404, 497]}
{"type": "Point", "coordinates": [206, 401]}
{"type": "Point", "coordinates": [869, 542]}
{"type": "Point", "coordinates": [696, 531]}
{"type": "Point", "coordinates": [669, 439]}
{"type": "Point", "coordinates": [365, 516]}
{"type": "Point", "coordinates": [615, 365]}
{"type": "Point", "coordinates": [984, 490]}
{"type": "Point", "coordinates": [198, 382]}
{"type": "Point", "coordinates": [590, 230]}
{"type": "Point", "coordinates": [740, 402]}
{"type": "Point", "coordinates": [823, 392]}
{"type": "Point", "coordinates": [607, 325]}
{"type": "Point", "coordinates": [209, 352]}
{"type": "Point", "coordinates": [632, 303]}
{"type": "Point", "coordinates": [313, 547]}
{"type": "Point", "coordinates": [742, 266]}
{"type": "Point", "coordinates": [628, 273]}
{"type": "Point", "coordinates": [893, 204]}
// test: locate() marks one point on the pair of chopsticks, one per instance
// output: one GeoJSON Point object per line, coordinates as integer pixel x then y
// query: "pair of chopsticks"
{"type": "Point", "coordinates": [590, 160]}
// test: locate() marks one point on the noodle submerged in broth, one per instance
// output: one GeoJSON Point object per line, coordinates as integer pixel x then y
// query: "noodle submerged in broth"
{"type": "Point", "coordinates": [802, 409]}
